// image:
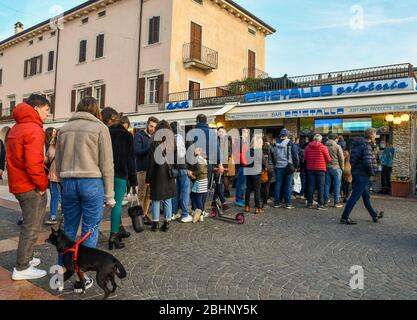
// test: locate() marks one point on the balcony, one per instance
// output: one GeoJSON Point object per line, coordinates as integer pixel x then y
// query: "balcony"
{"type": "Point", "coordinates": [254, 74]}
{"type": "Point", "coordinates": [197, 56]}
{"type": "Point", "coordinates": [6, 115]}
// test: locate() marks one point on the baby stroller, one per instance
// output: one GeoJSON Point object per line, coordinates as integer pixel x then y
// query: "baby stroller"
{"type": "Point", "coordinates": [216, 210]}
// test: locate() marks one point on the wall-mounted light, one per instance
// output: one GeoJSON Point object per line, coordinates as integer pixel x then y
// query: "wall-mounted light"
{"type": "Point", "coordinates": [405, 117]}
{"type": "Point", "coordinates": [389, 118]}
{"type": "Point", "coordinates": [397, 120]}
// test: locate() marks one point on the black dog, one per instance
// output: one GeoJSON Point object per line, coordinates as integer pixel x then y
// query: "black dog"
{"type": "Point", "coordinates": [89, 259]}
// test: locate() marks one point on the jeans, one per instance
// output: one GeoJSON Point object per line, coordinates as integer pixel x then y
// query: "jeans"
{"type": "Point", "coordinates": [303, 184]}
{"type": "Point", "coordinates": [240, 185]}
{"type": "Point", "coordinates": [218, 188]}
{"type": "Point", "coordinates": [333, 176]}
{"type": "Point", "coordinates": [316, 178]}
{"type": "Point", "coordinates": [283, 181]}
{"type": "Point", "coordinates": [55, 189]}
{"type": "Point", "coordinates": [386, 179]}
{"type": "Point", "coordinates": [120, 186]}
{"type": "Point", "coordinates": [33, 207]}
{"type": "Point", "coordinates": [253, 184]}
{"type": "Point", "coordinates": [156, 207]}
{"type": "Point", "coordinates": [83, 200]}
{"type": "Point", "coordinates": [361, 188]}
{"type": "Point", "coordinates": [197, 200]}
{"type": "Point", "coordinates": [182, 199]}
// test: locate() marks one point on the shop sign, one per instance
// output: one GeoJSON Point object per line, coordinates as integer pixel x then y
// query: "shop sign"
{"type": "Point", "coordinates": [341, 90]}
{"type": "Point", "coordinates": [179, 105]}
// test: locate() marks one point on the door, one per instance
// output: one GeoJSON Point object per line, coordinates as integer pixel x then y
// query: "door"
{"type": "Point", "coordinates": [196, 40]}
{"type": "Point", "coordinates": [194, 90]}
{"type": "Point", "coordinates": [251, 64]}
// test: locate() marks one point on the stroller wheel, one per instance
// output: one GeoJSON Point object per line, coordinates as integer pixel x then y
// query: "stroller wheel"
{"type": "Point", "coordinates": [240, 218]}
{"type": "Point", "coordinates": [213, 212]}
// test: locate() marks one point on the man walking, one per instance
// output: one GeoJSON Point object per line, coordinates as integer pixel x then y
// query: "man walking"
{"type": "Point", "coordinates": [142, 144]}
{"type": "Point", "coordinates": [364, 166]}
{"type": "Point", "coordinates": [334, 170]}
{"type": "Point", "coordinates": [28, 180]}
{"type": "Point", "coordinates": [286, 162]}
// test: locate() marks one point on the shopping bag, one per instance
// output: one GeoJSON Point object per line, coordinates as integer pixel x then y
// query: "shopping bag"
{"type": "Point", "coordinates": [297, 182]}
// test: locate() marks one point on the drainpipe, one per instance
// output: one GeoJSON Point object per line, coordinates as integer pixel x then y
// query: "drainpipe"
{"type": "Point", "coordinates": [139, 51]}
{"type": "Point", "coordinates": [56, 70]}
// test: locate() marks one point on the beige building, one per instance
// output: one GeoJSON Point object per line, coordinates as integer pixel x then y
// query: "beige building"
{"type": "Point", "coordinates": [131, 54]}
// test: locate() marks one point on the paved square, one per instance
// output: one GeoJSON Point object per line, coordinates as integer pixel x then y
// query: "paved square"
{"type": "Point", "coordinates": [281, 254]}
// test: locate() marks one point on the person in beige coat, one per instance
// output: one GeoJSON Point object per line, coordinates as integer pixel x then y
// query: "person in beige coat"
{"type": "Point", "coordinates": [334, 170]}
{"type": "Point", "coordinates": [84, 161]}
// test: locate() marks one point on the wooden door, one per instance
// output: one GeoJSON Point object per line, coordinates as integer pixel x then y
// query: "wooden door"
{"type": "Point", "coordinates": [196, 41]}
{"type": "Point", "coordinates": [251, 64]}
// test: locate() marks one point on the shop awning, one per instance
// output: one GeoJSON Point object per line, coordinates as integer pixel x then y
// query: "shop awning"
{"type": "Point", "coordinates": [375, 104]}
{"type": "Point", "coordinates": [184, 117]}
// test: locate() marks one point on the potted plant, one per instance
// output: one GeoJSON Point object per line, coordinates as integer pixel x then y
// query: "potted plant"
{"type": "Point", "coordinates": [400, 187]}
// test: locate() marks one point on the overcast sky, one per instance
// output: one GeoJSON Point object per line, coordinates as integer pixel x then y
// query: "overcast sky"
{"type": "Point", "coordinates": [313, 35]}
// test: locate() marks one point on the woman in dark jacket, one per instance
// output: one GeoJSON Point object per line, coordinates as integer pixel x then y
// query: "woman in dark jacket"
{"type": "Point", "coordinates": [124, 175]}
{"type": "Point", "coordinates": [269, 159]}
{"type": "Point", "coordinates": [163, 187]}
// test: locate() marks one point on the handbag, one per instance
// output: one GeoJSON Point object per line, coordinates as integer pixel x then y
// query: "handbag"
{"type": "Point", "coordinates": [173, 172]}
{"type": "Point", "coordinates": [290, 168]}
{"type": "Point", "coordinates": [135, 212]}
{"type": "Point", "coordinates": [264, 176]}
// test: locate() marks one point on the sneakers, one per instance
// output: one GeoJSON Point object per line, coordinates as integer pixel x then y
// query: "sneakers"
{"type": "Point", "coordinates": [277, 205]}
{"type": "Point", "coordinates": [240, 204]}
{"type": "Point", "coordinates": [176, 216]}
{"type": "Point", "coordinates": [289, 206]}
{"type": "Point", "coordinates": [78, 286]}
{"type": "Point", "coordinates": [378, 216]}
{"type": "Point", "coordinates": [187, 219]}
{"type": "Point", "coordinates": [196, 215]}
{"type": "Point", "coordinates": [35, 262]}
{"type": "Point", "coordinates": [205, 214]}
{"type": "Point", "coordinates": [50, 222]}
{"type": "Point", "coordinates": [28, 274]}
{"type": "Point", "coordinates": [347, 221]}
{"type": "Point", "coordinates": [321, 208]}
{"type": "Point", "coordinates": [338, 205]}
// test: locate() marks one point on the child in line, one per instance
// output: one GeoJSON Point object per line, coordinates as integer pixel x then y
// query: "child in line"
{"type": "Point", "coordinates": [199, 187]}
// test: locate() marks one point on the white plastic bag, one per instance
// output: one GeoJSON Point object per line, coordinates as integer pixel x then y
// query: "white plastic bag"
{"type": "Point", "coordinates": [297, 182]}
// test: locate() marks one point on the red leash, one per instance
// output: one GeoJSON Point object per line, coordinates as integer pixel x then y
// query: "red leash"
{"type": "Point", "coordinates": [74, 249]}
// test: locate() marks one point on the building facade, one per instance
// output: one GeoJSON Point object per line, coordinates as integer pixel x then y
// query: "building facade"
{"type": "Point", "coordinates": [131, 54]}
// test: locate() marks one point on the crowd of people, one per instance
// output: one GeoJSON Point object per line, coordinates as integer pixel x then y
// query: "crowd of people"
{"type": "Point", "coordinates": [94, 161]}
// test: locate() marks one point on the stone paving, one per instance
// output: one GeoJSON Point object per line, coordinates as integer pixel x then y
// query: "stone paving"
{"type": "Point", "coordinates": [281, 254]}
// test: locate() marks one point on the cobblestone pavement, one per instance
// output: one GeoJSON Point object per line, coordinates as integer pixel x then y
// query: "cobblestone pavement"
{"type": "Point", "coordinates": [281, 254]}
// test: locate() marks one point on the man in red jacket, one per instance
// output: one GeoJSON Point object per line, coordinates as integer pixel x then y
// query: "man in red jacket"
{"type": "Point", "coordinates": [28, 180]}
{"type": "Point", "coordinates": [316, 156]}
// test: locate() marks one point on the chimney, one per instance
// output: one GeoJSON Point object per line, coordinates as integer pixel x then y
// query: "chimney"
{"type": "Point", "coordinates": [18, 27]}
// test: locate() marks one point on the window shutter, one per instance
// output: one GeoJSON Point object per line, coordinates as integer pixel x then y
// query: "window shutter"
{"type": "Point", "coordinates": [83, 51]}
{"type": "Point", "coordinates": [33, 66]}
{"type": "Point", "coordinates": [52, 103]}
{"type": "Point", "coordinates": [40, 63]}
{"type": "Point", "coordinates": [251, 64]}
{"type": "Point", "coordinates": [160, 94]}
{"type": "Point", "coordinates": [141, 90]}
{"type": "Point", "coordinates": [73, 97]}
{"type": "Point", "coordinates": [150, 37]}
{"type": "Point", "coordinates": [51, 60]}
{"type": "Point", "coordinates": [1, 109]}
{"type": "Point", "coordinates": [1, 76]}
{"type": "Point", "coordinates": [100, 46]}
{"type": "Point", "coordinates": [103, 96]}
{"type": "Point", "coordinates": [156, 29]}
{"type": "Point", "coordinates": [88, 91]}
{"type": "Point", "coordinates": [25, 73]}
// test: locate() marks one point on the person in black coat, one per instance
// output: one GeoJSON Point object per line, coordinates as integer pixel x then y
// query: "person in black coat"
{"type": "Point", "coordinates": [2, 158]}
{"type": "Point", "coordinates": [124, 172]}
{"type": "Point", "coordinates": [162, 185]}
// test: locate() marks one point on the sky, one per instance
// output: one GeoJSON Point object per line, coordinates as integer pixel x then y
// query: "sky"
{"type": "Point", "coordinates": [313, 36]}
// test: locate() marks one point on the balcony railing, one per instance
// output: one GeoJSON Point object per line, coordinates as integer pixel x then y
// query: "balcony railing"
{"type": "Point", "coordinates": [254, 74]}
{"type": "Point", "coordinates": [6, 114]}
{"type": "Point", "coordinates": [239, 88]}
{"type": "Point", "coordinates": [196, 55]}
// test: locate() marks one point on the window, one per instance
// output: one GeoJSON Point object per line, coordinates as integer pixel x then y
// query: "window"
{"type": "Point", "coordinates": [102, 14]}
{"type": "Point", "coordinates": [1, 54]}
{"type": "Point", "coordinates": [251, 64]}
{"type": "Point", "coordinates": [80, 95]}
{"type": "Point", "coordinates": [1, 77]}
{"type": "Point", "coordinates": [194, 90]}
{"type": "Point", "coordinates": [97, 95]}
{"type": "Point", "coordinates": [252, 31]}
{"type": "Point", "coordinates": [33, 66]}
{"type": "Point", "coordinates": [12, 105]}
{"type": "Point", "coordinates": [51, 60]}
{"type": "Point", "coordinates": [154, 25]}
{"type": "Point", "coordinates": [1, 109]}
{"type": "Point", "coordinates": [83, 51]}
{"type": "Point", "coordinates": [152, 90]}
{"type": "Point", "coordinates": [30, 42]}
{"type": "Point", "coordinates": [100, 46]}
{"type": "Point", "coordinates": [40, 38]}
{"type": "Point", "coordinates": [84, 20]}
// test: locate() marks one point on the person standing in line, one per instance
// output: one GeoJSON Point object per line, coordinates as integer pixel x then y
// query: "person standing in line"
{"type": "Point", "coordinates": [182, 199]}
{"type": "Point", "coordinates": [286, 157]}
{"type": "Point", "coordinates": [28, 180]}
{"type": "Point", "coordinates": [269, 157]}
{"type": "Point", "coordinates": [142, 144]}
{"type": "Point", "coordinates": [199, 176]}
{"type": "Point", "coordinates": [54, 182]}
{"type": "Point", "coordinates": [241, 149]}
{"type": "Point", "coordinates": [124, 175]}
{"type": "Point", "coordinates": [225, 150]}
{"type": "Point", "coordinates": [364, 167]}
{"type": "Point", "coordinates": [84, 161]}
{"type": "Point", "coordinates": [253, 175]}
{"type": "Point", "coordinates": [387, 161]}
{"type": "Point", "coordinates": [334, 171]}
{"type": "Point", "coordinates": [158, 177]}
{"type": "Point", "coordinates": [316, 156]}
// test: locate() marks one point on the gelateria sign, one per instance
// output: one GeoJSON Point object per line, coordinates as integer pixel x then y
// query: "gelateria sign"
{"type": "Point", "coordinates": [323, 112]}
{"type": "Point", "coordinates": [350, 89]}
